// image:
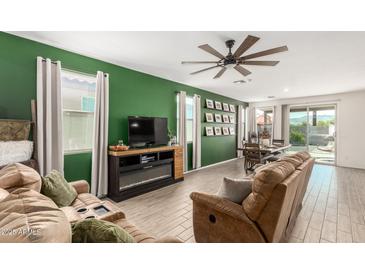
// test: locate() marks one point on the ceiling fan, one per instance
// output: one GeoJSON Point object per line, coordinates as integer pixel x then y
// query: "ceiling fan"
{"type": "Point", "coordinates": [236, 59]}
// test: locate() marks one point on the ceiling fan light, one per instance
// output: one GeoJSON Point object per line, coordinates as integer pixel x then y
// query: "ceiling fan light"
{"type": "Point", "coordinates": [230, 66]}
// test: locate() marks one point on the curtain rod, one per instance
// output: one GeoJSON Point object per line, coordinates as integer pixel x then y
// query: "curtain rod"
{"type": "Point", "coordinates": [75, 71]}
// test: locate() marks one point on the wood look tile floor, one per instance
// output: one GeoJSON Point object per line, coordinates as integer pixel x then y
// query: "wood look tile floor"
{"type": "Point", "coordinates": [333, 207]}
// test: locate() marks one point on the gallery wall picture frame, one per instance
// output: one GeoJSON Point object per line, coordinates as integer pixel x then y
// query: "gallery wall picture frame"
{"type": "Point", "coordinates": [209, 103]}
{"type": "Point", "coordinates": [232, 108]}
{"type": "Point", "coordinates": [218, 118]}
{"type": "Point", "coordinates": [231, 131]}
{"type": "Point", "coordinates": [218, 105]}
{"type": "Point", "coordinates": [217, 131]}
{"type": "Point", "coordinates": [226, 107]}
{"type": "Point", "coordinates": [231, 119]}
{"type": "Point", "coordinates": [225, 131]}
{"type": "Point", "coordinates": [209, 118]}
{"type": "Point", "coordinates": [225, 119]}
{"type": "Point", "coordinates": [209, 131]}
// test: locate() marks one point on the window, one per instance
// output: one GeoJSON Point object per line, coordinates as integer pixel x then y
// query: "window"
{"type": "Point", "coordinates": [189, 118]}
{"type": "Point", "coordinates": [78, 99]}
{"type": "Point", "coordinates": [264, 119]}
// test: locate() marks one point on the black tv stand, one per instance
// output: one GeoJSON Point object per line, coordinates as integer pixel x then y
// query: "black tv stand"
{"type": "Point", "coordinates": [137, 171]}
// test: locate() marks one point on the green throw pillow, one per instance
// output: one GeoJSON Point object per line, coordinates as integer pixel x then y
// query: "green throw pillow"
{"type": "Point", "coordinates": [58, 189]}
{"type": "Point", "coordinates": [98, 231]}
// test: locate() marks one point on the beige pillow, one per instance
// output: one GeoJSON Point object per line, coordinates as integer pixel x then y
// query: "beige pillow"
{"type": "Point", "coordinates": [19, 176]}
{"type": "Point", "coordinates": [235, 190]}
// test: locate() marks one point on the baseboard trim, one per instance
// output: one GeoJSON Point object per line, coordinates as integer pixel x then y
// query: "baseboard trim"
{"type": "Point", "coordinates": [212, 165]}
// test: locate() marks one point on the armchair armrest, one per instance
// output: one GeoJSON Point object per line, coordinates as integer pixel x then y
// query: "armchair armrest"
{"type": "Point", "coordinates": [219, 220]}
{"type": "Point", "coordinates": [81, 186]}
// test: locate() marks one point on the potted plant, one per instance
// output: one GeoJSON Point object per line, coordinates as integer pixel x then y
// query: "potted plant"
{"type": "Point", "coordinates": [172, 137]}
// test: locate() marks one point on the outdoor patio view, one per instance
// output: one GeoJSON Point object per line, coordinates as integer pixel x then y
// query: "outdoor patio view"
{"type": "Point", "coordinates": [313, 129]}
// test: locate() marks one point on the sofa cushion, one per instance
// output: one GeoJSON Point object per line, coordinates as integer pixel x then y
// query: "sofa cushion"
{"type": "Point", "coordinates": [235, 190]}
{"type": "Point", "coordinates": [28, 216]}
{"type": "Point", "coordinates": [19, 176]}
{"type": "Point", "coordinates": [98, 231]}
{"type": "Point", "coordinates": [264, 184]}
{"type": "Point", "coordinates": [295, 160]}
{"type": "Point", "coordinates": [3, 194]}
{"type": "Point", "coordinates": [58, 189]}
{"type": "Point", "coordinates": [303, 154]}
{"type": "Point", "coordinates": [84, 200]}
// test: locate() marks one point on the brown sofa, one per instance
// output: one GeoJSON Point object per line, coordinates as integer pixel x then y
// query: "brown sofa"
{"type": "Point", "coordinates": [268, 214]}
{"type": "Point", "coordinates": [28, 216]}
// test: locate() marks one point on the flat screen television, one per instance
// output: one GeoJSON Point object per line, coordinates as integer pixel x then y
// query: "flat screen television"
{"type": "Point", "coordinates": [145, 131]}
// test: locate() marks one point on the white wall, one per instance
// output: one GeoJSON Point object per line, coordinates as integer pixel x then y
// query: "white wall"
{"type": "Point", "coordinates": [350, 123]}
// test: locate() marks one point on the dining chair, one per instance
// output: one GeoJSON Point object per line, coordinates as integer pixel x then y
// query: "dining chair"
{"type": "Point", "coordinates": [253, 156]}
{"type": "Point", "coordinates": [278, 141]}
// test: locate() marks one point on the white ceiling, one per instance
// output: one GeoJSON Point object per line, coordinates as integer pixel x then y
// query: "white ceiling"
{"type": "Point", "coordinates": [317, 63]}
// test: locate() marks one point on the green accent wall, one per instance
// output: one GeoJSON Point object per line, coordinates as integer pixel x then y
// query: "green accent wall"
{"type": "Point", "coordinates": [131, 93]}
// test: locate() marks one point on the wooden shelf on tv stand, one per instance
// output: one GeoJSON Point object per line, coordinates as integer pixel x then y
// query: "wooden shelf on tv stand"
{"type": "Point", "coordinates": [117, 172]}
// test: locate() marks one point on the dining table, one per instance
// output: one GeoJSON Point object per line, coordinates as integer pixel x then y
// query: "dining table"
{"type": "Point", "coordinates": [271, 149]}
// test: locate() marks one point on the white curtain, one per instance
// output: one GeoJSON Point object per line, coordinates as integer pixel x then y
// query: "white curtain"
{"type": "Point", "coordinates": [240, 130]}
{"type": "Point", "coordinates": [99, 171]}
{"type": "Point", "coordinates": [273, 123]}
{"type": "Point", "coordinates": [285, 123]}
{"type": "Point", "coordinates": [196, 132]}
{"type": "Point", "coordinates": [182, 125]}
{"type": "Point", "coordinates": [49, 116]}
{"type": "Point", "coordinates": [252, 120]}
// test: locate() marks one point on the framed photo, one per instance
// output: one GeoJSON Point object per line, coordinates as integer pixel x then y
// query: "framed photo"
{"type": "Point", "coordinates": [225, 118]}
{"type": "Point", "coordinates": [225, 107]}
{"type": "Point", "coordinates": [232, 108]}
{"type": "Point", "coordinates": [209, 118]}
{"type": "Point", "coordinates": [209, 103]}
{"type": "Point", "coordinates": [209, 131]}
{"type": "Point", "coordinates": [218, 105]}
{"type": "Point", "coordinates": [231, 131]}
{"type": "Point", "coordinates": [217, 131]}
{"type": "Point", "coordinates": [231, 119]}
{"type": "Point", "coordinates": [225, 131]}
{"type": "Point", "coordinates": [218, 118]}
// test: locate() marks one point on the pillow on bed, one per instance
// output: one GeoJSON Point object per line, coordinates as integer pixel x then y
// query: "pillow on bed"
{"type": "Point", "coordinates": [14, 130]}
{"type": "Point", "coordinates": [15, 152]}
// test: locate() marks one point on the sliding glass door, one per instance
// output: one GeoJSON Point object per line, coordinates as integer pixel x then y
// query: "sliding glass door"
{"type": "Point", "coordinates": [313, 129]}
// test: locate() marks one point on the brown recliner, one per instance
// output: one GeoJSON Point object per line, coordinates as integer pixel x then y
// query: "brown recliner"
{"type": "Point", "coordinates": [266, 215]}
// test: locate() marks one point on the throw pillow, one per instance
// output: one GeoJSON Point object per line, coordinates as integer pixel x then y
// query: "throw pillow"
{"type": "Point", "coordinates": [54, 186]}
{"type": "Point", "coordinates": [235, 190]}
{"type": "Point", "coordinates": [99, 231]}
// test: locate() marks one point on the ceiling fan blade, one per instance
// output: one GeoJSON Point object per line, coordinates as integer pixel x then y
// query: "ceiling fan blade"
{"type": "Point", "coordinates": [199, 62]}
{"type": "Point", "coordinates": [219, 74]}
{"type": "Point", "coordinates": [242, 70]}
{"type": "Point", "coordinates": [246, 44]}
{"type": "Point", "coordinates": [264, 53]}
{"type": "Point", "coordinates": [195, 72]}
{"type": "Point", "coordinates": [210, 50]}
{"type": "Point", "coordinates": [239, 81]}
{"type": "Point", "coordinates": [260, 63]}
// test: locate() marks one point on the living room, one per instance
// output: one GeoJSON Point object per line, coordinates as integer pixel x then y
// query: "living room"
{"type": "Point", "coordinates": [177, 137]}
